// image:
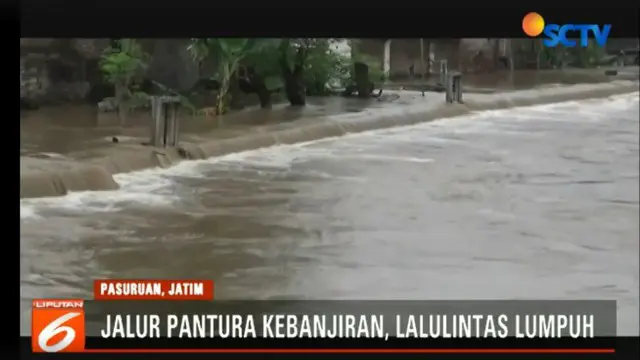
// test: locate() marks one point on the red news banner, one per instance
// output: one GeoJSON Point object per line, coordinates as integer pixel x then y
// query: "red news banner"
{"type": "Point", "coordinates": [153, 290]}
{"type": "Point", "coordinates": [58, 325]}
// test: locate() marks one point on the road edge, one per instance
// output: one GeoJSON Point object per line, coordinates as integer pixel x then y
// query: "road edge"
{"type": "Point", "coordinates": [57, 177]}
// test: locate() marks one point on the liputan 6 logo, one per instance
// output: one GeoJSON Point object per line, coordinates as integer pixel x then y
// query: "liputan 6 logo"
{"type": "Point", "coordinates": [57, 325]}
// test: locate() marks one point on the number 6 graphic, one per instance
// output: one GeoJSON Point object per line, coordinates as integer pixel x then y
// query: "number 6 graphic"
{"type": "Point", "coordinates": [54, 328]}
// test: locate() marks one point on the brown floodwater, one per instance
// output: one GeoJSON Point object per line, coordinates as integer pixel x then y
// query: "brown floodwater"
{"type": "Point", "coordinates": [70, 128]}
{"type": "Point", "coordinates": [538, 202]}
{"type": "Point", "coordinates": [62, 129]}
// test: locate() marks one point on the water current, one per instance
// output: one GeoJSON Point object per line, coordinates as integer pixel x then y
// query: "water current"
{"type": "Point", "coordinates": [528, 203]}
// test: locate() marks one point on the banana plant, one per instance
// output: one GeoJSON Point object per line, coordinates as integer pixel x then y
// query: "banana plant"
{"type": "Point", "coordinates": [227, 54]}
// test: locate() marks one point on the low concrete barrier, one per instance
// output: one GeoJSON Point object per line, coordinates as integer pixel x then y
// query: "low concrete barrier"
{"type": "Point", "coordinates": [55, 177]}
{"type": "Point", "coordinates": [93, 170]}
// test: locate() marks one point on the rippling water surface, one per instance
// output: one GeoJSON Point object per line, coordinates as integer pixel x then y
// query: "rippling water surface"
{"type": "Point", "coordinates": [538, 202]}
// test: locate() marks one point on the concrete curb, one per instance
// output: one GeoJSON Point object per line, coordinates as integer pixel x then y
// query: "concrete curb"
{"type": "Point", "coordinates": [56, 177]}
{"type": "Point", "coordinates": [40, 178]}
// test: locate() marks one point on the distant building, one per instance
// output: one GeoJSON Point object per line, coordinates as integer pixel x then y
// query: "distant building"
{"type": "Point", "coordinates": [401, 58]}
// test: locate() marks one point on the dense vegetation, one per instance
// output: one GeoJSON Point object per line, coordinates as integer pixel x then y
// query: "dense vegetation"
{"type": "Point", "coordinates": [296, 68]}
{"type": "Point", "coordinates": [287, 69]}
{"type": "Point", "coordinates": [531, 54]}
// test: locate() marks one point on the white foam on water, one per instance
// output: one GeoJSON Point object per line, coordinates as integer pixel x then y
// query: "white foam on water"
{"type": "Point", "coordinates": [28, 211]}
{"type": "Point", "coordinates": [54, 155]}
{"type": "Point", "coordinates": [479, 122]}
{"type": "Point", "coordinates": [292, 154]}
{"type": "Point", "coordinates": [78, 203]}
{"type": "Point", "coordinates": [154, 187]}
{"type": "Point", "coordinates": [392, 158]}
{"type": "Point", "coordinates": [588, 106]}
{"type": "Point", "coordinates": [147, 188]}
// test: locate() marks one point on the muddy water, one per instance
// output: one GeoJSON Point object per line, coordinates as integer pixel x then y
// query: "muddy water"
{"type": "Point", "coordinates": [537, 202]}
{"type": "Point", "coordinates": [65, 129]}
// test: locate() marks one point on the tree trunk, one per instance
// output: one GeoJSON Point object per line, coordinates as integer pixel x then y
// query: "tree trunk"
{"type": "Point", "coordinates": [511, 55]}
{"type": "Point", "coordinates": [250, 82]}
{"type": "Point", "coordinates": [295, 91]}
{"type": "Point", "coordinates": [363, 84]}
{"type": "Point", "coordinates": [428, 50]}
{"type": "Point", "coordinates": [264, 95]}
{"type": "Point", "coordinates": [538, 53]}
{"type": "Point", "coordinates": [422, 59]}
{"type": "Point", "coordinates": [121, 98]}
{"type": "Point", "coordinates": [293, 82]}
{"type": "Point", "coordinates": [496, 54]}
{"type": "Point", "coordinates": [235, 93]}
{"type": "Point", "coordinates": [221, 98]}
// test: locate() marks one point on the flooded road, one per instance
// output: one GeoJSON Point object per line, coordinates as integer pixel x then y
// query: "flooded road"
{"type": "Point", "coordinates": [538, 202]}
{"type": "Point", "coordinates": [63, 129]}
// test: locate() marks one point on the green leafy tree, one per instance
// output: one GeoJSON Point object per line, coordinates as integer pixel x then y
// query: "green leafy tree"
{"type": "Point", "coordinates": [376, 74]}
{"type": "Point", "coordinates": [325, 69]}
{"type": "Point", "coordinates": [122, 64]}
{"type": "Point", "coordinates": [556, 57]}
{"type": "Point", "coordinates": [299, 66]}
{"type": "Point", "coordinates": [364, 72]}
{"type": "Point", "coordinates": [308, 64]}
{"type": "Point", "coordinates": [227, 54]}
{"type": "Point", "coordinates": [588, 57]}
{"type": "Point", "coordinates": [292, 59]}
{"type": "Point", "coordinates": [262, 71]}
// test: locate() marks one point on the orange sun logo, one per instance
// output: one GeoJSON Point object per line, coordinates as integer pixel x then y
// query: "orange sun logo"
{"type": "Point", "coordinates": [533, 24]}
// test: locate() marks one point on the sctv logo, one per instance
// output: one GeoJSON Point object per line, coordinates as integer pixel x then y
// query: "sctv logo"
{"type": "Point", "coordinates": [533, 25]}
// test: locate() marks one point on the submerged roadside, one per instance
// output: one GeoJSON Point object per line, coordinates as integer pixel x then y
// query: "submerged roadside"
{"type": "Point", "coordinates": [93, 169]}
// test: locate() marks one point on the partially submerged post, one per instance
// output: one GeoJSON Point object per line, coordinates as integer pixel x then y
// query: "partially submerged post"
{"type": "Point", "coordinates": [164, 115]}
{"type": "Point", "coordinates": [453, 87]}
{"type": "Point", "coordinates": [443, 71]}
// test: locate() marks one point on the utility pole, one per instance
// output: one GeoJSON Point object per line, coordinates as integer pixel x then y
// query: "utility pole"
{"type": "Point", "coordinates": [511, 55]}
{"type": "Point", "coordinates": [428, 58]}
{"type": "Point", "coordinates": [422, 58]}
